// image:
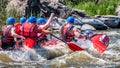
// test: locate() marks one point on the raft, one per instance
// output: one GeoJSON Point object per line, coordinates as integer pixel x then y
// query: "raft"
{"type": "Point", "coordinates": [100, 43]}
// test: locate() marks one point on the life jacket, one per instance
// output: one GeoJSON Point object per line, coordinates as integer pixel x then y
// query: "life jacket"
{"type": "Point", "coordinates": [17, 28]}
{"type": "Point", "coordinates": [6, 35]}
{"type": "Point", "coordinates": [66, 34]}
{"type": "Point", "coordinates": [27, 30]}
{"type": "Point", "coordinates": [100, 42]}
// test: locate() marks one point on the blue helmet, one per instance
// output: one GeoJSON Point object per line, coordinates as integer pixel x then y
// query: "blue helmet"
{"type": "Point", "coordinates": [41, 21]}
{"type": "Point", "coordinates": [22, 20]}
{"type": "Point", "coordinates": [88, 31]}
{"type": "Point", "coordinates": [32, 19]}
{"type": "Point", "coordinates": [10, 20]}
{"type": "Point", "coordinates": [70, 20]}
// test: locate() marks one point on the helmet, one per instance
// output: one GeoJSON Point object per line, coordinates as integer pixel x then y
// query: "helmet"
{"type": "Point", "coordinates": [41, 20]}
{"type": "Point", "coordinates": [32, 19]}
{"type": "Point", "coordinates": [10, 20]}
{"type": "Point", "coordinates": [22, 19]}
{"type": "Point", "coordinates": [70, 20]}
{"type": "Point", "coordinates": [88, 31]}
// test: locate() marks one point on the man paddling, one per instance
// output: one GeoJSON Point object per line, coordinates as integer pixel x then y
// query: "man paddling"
{"type": "Point", "coordinates": [30, 30]}
{"type": "Point", "coordinates": [8, 34]}
{"type": "Point", "coordinates": [18, 31]}
{"type": "Point", "coordinates": [68, 30]}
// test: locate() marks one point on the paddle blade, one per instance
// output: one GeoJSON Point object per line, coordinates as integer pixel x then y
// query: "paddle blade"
{"type": "Point", "coordinates": [100, 42]}
{"type": "Point", "coordinates": [74, 47]}
{"type": "Point", "coordinates": [29, 42]}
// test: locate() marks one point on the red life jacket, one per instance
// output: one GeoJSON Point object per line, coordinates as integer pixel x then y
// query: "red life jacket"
{"type": "Point", "coordinates": [28, 30]}
{"type": "Point", "coordinates": [100, 42]}
{"type": "Point", "coordinates": [17, 28]}
{"type": "Point", "coordinates": [66, 34]}
{"type": "Point", "coordinates": [6, 34]}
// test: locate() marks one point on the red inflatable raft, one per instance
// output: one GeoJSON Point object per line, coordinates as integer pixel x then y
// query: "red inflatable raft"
{"type": "Point", "coordinates": [100, 43]}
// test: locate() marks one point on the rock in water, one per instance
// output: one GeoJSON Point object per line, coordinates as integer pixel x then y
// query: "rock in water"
{"type": "Point", "coordinates": [87, 26]}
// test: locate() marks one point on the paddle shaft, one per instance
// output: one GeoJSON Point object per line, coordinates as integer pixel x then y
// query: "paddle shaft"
{"type": "Point", "coordinates": [70, 45]}
{"type": "Point", "coordinates": [57, 38]}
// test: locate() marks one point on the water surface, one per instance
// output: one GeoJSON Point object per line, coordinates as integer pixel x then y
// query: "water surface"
{"type": "Point", "coordinates": [60, 56]}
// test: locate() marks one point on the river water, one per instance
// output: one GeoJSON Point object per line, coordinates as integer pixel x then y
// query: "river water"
{"type": "Point", "coordinates": [60, 56]}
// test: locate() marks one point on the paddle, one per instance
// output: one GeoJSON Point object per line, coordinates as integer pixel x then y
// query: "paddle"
{"type": "Point", "coordinates": [71, 45]}
{"type": "Point", "coordinates": [57, 38]}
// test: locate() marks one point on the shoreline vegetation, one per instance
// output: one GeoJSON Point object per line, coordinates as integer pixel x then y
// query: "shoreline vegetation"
{"type": "Point", "coordinates": [95, 7]}
{"type": "Point", "coordinates": [4, 14]}
{"type": "Point", "coordinates": [90, 7]}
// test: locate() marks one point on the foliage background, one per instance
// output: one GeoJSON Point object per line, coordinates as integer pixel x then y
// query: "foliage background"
{"type": "Point", "coordinates": [95, 7]}
{"type": "Point", "coordinates": [91, 7]}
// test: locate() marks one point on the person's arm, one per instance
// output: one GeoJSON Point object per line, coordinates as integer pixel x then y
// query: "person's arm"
{"type": "Point", "coordinates": [45, 26]}
{"type": "Point", "coordinates": [16, 35]}
{"type": "Point", "coordinates": [39, 30]}
{"type": "Point", "coordinates": [76, 33]}
{"type": "Point", "coordinates": [46, 31]}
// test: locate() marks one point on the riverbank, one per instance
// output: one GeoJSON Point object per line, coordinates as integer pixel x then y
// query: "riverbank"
{"type": "Point", "coordinates": [102, 7]}
{"type": "Point", "coordinates": [95, 7]}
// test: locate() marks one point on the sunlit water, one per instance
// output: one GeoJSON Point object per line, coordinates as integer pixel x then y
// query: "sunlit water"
{"type": "Point", "coordinates": [60, 56]}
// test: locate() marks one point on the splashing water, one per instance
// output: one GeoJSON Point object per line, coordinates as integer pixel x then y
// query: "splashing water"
{"type": "Point", "coordinates": [60, 56]}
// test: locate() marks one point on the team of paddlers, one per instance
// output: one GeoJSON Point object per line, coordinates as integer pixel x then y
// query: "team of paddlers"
{"type": "Point", "coordinates": [31, 32]}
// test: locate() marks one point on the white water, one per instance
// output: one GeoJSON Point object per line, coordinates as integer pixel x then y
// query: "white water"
{"type": "Point", "coordinates": [59, 56]}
